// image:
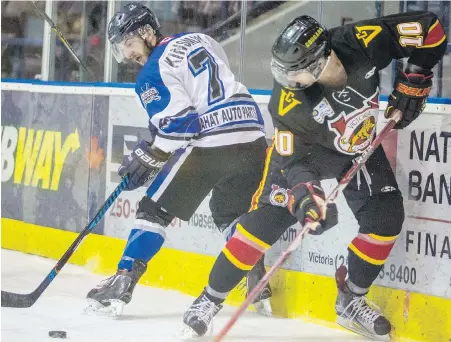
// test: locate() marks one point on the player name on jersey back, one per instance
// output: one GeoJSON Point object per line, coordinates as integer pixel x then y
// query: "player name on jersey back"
{"type": "Point", "coordinates": [177, 51]}
{"type": "Point", "coordinates": [228, 116]}
{"type": "Point", "coordinates": [192, 96]}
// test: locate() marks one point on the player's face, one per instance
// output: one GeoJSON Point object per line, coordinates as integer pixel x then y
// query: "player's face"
{"type": "Point", "coordinates": [334, 74]}
{"type": "Point", "coordinates": [301, 78]}
{"type": "Point", "coordinates": [131, 48]}
{"type": "Point", "coordinates": [311, 74]}
{"type": "Point", "coordinates": [135, 49]}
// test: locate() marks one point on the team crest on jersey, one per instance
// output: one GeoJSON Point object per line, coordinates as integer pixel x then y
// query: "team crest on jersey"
{"type": "Point", "coordinates": [149, 94]}
{"type": "Point", "coordinates": [356, 129]}
{"type": "Point", "coordinates": [322, 110]}
{"type": "Point", "coordinates": [278, 196]}
{"type": "Point", "coordinates": [287, 102]}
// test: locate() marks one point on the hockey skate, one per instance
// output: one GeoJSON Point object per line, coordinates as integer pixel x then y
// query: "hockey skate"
{"type": "Point", "coordinates": [357, 313]}
{"type": "Point", "coordinates": [261, 304]}
{"type": "Point", "coordinates": [110, 297]}
{"type": "Point", "coordinates": [198, 319]}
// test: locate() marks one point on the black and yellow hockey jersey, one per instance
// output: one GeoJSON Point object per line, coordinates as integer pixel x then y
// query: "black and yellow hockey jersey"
{"type": "Point", "coordinates": [343, 122]}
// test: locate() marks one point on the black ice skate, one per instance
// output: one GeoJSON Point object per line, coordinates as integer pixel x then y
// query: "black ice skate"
{"type": "Point", "coordinates": [261, 304]}
{"type": "Point", "coordinates": [357, 313]}
{"type": "Point", "coordinates": [197, 320]}
{"type": "Point", "coordinates": [114, 292]}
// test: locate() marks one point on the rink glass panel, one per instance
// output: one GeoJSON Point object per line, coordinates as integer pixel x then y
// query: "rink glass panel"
{"type": "Point", "coordinates": [247, 46]}
{"type": "Point", "coordinates": [22, 39]}
{"type": "Point", "coordinates": [83, 23]}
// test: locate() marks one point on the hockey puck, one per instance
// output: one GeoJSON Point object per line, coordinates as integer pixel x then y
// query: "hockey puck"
{"type": "Point", "coordinates": [57, 334]}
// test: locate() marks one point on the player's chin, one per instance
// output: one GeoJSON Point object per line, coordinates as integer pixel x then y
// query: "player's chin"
{"type": "Point", "coordinates": [339, 80]}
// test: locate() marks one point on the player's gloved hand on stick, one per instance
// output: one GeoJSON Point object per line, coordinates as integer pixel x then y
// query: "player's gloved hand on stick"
{"type": "Point", "coordinates": [307, 203]}
{"type": "Point", "coordinates": [412, 87]}
{"type": "Point", "coordinates": [142, 164]}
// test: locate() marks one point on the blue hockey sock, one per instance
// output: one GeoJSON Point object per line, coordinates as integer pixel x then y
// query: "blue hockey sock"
{"type": "Point", "coordinates": [141, 244]}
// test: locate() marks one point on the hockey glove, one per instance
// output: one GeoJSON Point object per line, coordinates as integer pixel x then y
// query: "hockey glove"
{"type": "Point", "coordinates": [142, 164]}
{"type": "Point", "coordinates": [409, 95]}
{"type": "Point", "coordinates": [307, 203]}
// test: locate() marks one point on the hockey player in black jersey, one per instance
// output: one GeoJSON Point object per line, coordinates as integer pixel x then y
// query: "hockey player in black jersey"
{"type": "Point", "coordinates": [324, 107]}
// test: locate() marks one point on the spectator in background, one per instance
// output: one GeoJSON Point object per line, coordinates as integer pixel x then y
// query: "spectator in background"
{"type": "Point", "coordinates": [83, 25]}
{"type": "Point", "coordinates": [21, 48]}
{"type": "Point", "coordinates": [200, 15]}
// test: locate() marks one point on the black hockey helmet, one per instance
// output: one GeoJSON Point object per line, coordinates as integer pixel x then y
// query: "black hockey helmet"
{"type": "Point", "coordinates": [127, 21]}
{"type": "Point", "coordinates": [302, 47]}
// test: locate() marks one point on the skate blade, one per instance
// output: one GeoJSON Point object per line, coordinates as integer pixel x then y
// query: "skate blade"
{"type": "Point", "coordinates": [186, 333]}
{"type": "Point", "coordinates": [263, 307]}
{"type": "Point", "coordinates": [95, 308]}
{"type": "Point", "coordinates": [347, 324]}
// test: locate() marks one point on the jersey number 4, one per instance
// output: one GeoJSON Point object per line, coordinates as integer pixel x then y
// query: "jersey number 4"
{"type": "Point", "coordinates": [199, 61]}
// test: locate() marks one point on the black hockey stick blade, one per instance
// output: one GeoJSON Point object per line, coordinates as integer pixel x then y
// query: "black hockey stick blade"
{"type": "Point", "coordinates": [17, 300]}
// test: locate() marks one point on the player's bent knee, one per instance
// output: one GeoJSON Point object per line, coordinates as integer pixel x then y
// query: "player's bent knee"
{"type": "Point", "coordinates": [150, 211]}
{"type": "Point", "coordinates": [267, 223]}
{"type": "Point", "coordinates": [383, 214]}
{"type": "Point", "coordinates": [243, 249]}
{"type": "Point", "coordinates": [391, 212]}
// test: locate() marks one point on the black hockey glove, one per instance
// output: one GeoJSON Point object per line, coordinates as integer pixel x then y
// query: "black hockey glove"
{"type": "Point", "coordinates": [142, 164]}
{"type": "Point", "coordinates": [409, 95]}
{"type": "Point", "coordinates": [306, 203]}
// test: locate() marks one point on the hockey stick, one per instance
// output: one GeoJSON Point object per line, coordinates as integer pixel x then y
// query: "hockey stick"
{"type": "Point", "coordinates": [17, 300]}
{"type": "Point", "coordinates": [62, 39]}
{"type": "Point", "coordinates": [360, 161]}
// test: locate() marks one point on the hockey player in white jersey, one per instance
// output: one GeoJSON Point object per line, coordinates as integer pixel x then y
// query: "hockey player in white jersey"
{"type": "Point", "coordinates": [207, 135]}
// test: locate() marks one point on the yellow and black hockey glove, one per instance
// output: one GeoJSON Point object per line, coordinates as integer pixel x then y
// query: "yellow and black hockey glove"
{"type": "Point", "coordinates": [409, 95]}
{"type": "Point", "coordinates": [307, 203]}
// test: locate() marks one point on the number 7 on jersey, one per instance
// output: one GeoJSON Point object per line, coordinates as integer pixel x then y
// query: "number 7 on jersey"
{"type": "Point", "coordinates": [201, 60]}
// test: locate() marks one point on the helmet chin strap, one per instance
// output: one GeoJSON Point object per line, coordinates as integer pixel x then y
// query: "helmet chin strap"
{"type": "Point", "coordinates": [324, 68]}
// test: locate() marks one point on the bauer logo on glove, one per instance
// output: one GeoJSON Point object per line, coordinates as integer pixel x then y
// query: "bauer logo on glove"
{"type": "Point", "coordinates": [411, 91]}
{"type": "Point", "coordinates": [143, 164]}
{"type": "Point", "coordinates": [148, 159]}
{"type": "Point", "coordinates": [409, 95]}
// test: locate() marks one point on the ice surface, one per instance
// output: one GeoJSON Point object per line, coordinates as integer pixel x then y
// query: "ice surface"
{"type": "Point", "coordinates": [153, 315]}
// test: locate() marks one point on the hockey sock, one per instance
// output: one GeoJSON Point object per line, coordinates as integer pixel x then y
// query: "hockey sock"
{"type": "Point", "coordinates": [142, 244]}
{"type": "Point", "coordinates": [367, 255]}
{"type": "Point", "coordinates": [239, 255]}
{"type": "Point", "coordinates": [360, 291]}
{"type": "Point", "coordinates": [215, 296]}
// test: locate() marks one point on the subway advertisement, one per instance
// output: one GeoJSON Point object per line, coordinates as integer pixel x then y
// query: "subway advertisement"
{"type": "Point", "coordinates": [53, 167]}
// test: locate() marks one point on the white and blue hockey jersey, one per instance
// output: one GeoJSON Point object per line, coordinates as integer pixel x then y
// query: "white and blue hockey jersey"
{"type": "Point", "coordinates": [192, 97]}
